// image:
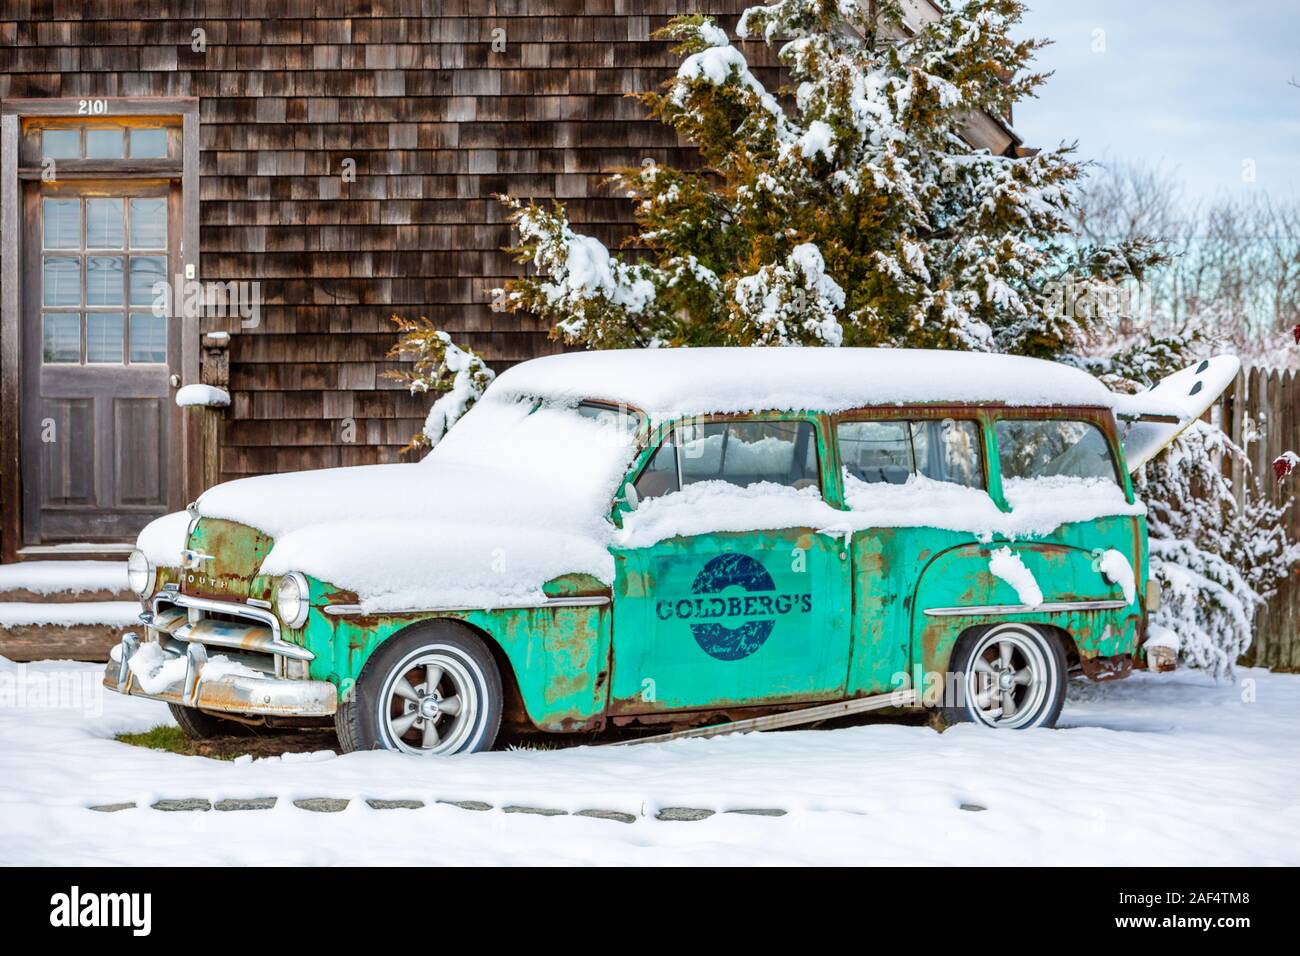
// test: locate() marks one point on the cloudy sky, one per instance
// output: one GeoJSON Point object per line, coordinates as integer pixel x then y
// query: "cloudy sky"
{"type": "Point", "coordinates": [1200, 85]}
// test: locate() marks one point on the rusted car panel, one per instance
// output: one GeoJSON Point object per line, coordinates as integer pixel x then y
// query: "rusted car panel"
{"type": "Point", "coordinates": [691, 616]}
{"type": "Point", "coordinates": [224, 560]}
{"type": "Point", "coordinates": [558, 656]}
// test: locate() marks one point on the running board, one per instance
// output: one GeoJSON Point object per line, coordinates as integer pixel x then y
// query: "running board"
{"type": "Point", "coordinates": [789, 718]}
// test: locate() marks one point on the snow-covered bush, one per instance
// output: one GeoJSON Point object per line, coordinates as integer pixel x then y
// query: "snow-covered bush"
{"type": "Point", "coordinates": [440, 366]}
{"type": "Point", "coordinates": [857, 216]}
{"type": "Point", "coordinates": [1218, 554]}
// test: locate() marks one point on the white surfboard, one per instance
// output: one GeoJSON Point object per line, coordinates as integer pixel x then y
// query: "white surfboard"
{"type": "Point", "coordinates": [1151, 420]}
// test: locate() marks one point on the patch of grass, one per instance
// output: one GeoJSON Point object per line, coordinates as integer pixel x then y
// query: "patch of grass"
{"type": "Point", "coordinates": [162, 737]}
{"type": "Point", "coordinates": [258, 742]}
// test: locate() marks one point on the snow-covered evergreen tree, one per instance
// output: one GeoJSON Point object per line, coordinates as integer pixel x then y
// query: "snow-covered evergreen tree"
{"type": "Point", "coordinates": [846, 209]}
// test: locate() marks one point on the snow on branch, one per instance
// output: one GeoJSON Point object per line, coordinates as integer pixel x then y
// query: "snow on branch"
{"type": "Point", "coordinates": [793, 303]}
{"type": "Point", "coordinates": [440, 365]}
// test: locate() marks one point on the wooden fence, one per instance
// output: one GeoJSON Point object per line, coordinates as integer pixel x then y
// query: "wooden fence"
{"type": "Point", "coordinates": [1267, 404]}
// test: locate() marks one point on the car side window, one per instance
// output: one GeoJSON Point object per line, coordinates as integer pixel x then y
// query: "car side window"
{"type": "Point", "coordinates": [741, 453]}
{"type": "Point", "coordinates": [660, 474]}
{"type": "Point", "coordinates": [1045, 448]}
{"type": "Point", "coordinates": [945, 449]}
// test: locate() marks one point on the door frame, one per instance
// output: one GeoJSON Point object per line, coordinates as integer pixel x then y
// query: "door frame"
{"type": "Point", "coordinates": [12, 113]}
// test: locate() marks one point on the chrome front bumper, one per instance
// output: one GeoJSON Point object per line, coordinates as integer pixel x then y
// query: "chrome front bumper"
{"type": "Point", "coordinates": [181, 627]}
{"type": "Point", "coordinates": [229, 693]}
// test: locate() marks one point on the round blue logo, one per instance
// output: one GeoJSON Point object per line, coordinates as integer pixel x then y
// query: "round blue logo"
{"type": "Point", "coordinates": [718, 640]}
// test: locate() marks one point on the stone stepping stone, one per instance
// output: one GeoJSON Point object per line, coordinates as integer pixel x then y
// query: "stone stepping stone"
{"type": "Point", "coordinates": [683, 814]}
{"type": "Point", "coordinates": [182, 805]}
{"type": "Point", "coordinates": [615, 815]}
{"type": "Point", "coordinates": [322, 804]}
{"type": "Point", "coordinates": [255, 803]}
{"type": "Point", "coordinates": [760, 812]}
{"type": "Point", "coordinates": [539, 811]}
{"type": "Point", "coordinates": [112, 807]}
{"type": "Point", "coordinates": [468, 804]}
{"type": "Point", "coordinates": [395, 804]}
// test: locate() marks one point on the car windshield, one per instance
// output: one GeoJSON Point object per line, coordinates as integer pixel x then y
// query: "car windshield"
{"type": "Point", "coordinates": [558, 456]}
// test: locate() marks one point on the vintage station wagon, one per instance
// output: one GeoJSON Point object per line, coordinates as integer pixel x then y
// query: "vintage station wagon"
{"type": "Point", "coordinates": [704, 538]}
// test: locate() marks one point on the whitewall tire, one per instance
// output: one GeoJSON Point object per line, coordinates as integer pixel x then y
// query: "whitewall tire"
{"type": "Point", "coordinates": [433, 690]}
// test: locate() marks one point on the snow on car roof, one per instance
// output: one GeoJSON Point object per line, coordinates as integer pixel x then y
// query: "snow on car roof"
{"type": "Point", "coordinates": [670, 382]}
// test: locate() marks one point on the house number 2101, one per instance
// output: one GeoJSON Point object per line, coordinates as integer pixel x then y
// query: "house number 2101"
{"type": "Point", "coordinates": [92, 107]}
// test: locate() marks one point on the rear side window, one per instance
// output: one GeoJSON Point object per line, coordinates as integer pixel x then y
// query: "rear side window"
{"type": "Point", "coordinates": [892, 451]}
{"type": "Point", "coordinates": [1038, 448]}
{"type": "Point", "coordinates": [740, 453]}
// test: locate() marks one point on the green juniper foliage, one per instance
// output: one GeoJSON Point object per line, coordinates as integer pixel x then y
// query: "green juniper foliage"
{"type": "Point", "coordinates": [438, 365]}
{"type": "Point", "coordinates": [845, 209]}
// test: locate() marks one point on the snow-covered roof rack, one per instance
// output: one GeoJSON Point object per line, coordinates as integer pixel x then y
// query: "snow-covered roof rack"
{"type": "Point", "coordinates": [671, 382]}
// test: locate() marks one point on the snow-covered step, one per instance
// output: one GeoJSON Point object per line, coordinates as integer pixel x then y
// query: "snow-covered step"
{"type": "Point", "coordinates": [71, 630]}
{"type": "Point", "coordinates": [60, 581]}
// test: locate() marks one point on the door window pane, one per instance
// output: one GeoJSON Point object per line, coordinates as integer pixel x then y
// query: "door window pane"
{"type": "Point", "coordinates": [145, 271]}
{"type": "Point", "coordinates": [104, 223]}
{"type": "Point", "coordinates": [60, 143]}
{"type": "Point", "coordinates": [148, 337]}
{"type": "Point", "coordinates": [876, 451]}
{"type": "Point", "coordinates": [104, 143]}
{"type": "Point", "coordinates": [892, 451]}
{"type": "Point", "coordinates": [745, 453]}
{"type": "Point", "coordinates": [1049, 448]}
{"type": "Point", "coordinates": [61, 223]}
{"type": "Point", "coordinates": [104, 337]}
{"type": "Point", "coordinates": [660, 474]}
{"type": "Point", "coordinates": [61, 281]}
{"type": "Point", "coordinates": [948, 450]}
{"type": "Point", "coordinates": [148, 143]}
{"type": "Point", "coordinates": [61, 337]}
{"type": "Point", "coordinates": [149, 223]}
{"type": "Point", "coordinates": [104, 280]}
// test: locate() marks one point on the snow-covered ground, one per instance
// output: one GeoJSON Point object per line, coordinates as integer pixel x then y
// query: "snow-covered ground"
{"type": "Point", "coordinates": [1169, 769]}
{"type": "Point", "coordinates": [71, 577]}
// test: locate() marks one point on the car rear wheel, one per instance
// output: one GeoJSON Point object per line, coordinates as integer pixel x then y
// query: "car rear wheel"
{"type": "Point", "coordinates": [432, 691]}
{"type": "Point", "coordinates": [1009, 677]}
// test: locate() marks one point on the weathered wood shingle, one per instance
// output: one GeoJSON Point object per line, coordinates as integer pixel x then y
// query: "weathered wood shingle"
{"type": "Point", "coordinates": [435, 121]}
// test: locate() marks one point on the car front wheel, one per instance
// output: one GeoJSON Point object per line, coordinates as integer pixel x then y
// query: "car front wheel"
{"type": "Point", "coordinates": [200, 725]}
{"type": "Point", "coordinates": [1009, 677]}
{"type": "Point", "coordinates": [432, 691]}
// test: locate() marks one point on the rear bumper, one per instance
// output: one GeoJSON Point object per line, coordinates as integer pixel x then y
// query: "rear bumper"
{"type": "Point", "coordinates": [228, 693]}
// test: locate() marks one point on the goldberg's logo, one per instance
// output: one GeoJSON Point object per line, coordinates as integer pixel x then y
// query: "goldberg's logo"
{"type": "Point", "coordinates": [75, 908]}
{"type": "Point", "coordinates": [750, 617]}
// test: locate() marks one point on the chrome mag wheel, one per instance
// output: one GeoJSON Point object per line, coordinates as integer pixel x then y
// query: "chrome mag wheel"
{"type": "Point", "coordinates": [430, 702]}
{"type": "Point", "coordinates": [1009, 676]}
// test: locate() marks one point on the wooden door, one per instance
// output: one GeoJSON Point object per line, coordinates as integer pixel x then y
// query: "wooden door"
{"type": "Point", "coordinates": [100, 433]}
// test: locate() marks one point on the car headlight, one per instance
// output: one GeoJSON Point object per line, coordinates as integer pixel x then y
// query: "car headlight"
{"type": "Point", "coordinates": [140, 573]}
{"type": "Point", "coordinates": [292, 599]}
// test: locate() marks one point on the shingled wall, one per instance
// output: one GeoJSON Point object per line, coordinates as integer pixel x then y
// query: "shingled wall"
{"type": "Point", "coordinates": [436, 122]}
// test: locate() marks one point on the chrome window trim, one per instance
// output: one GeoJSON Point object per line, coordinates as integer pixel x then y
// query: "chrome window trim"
{"type": "Point", "coordinates": [1048, 607]}
{"type": "Point", "coordinates": [594, 600]}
